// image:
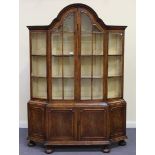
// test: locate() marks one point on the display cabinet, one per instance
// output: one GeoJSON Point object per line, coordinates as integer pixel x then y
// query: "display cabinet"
{"type": "Point", "coordinates": [76, 78]}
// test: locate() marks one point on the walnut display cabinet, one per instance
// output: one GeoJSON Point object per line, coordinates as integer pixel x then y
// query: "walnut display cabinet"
{"type": "Point", "coordinates": [76, 78]}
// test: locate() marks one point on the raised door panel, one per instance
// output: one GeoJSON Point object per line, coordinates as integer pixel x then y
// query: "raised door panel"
{"type": "Point", "coordinates": [118, 121]}
{"type": "Point", "coordinates": [36, 116]}
{"type": "Point", "coordinates": [61, 124]}
{"type": "Point", "coordinates": [93, 124]}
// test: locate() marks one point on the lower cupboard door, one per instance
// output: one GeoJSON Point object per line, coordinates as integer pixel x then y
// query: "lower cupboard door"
{"type": "Point", "coordinates": [93, 124]}
{"type": "Point", "coordinates": [60, 124]}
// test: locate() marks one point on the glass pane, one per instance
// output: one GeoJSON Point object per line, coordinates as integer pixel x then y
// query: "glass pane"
{"type": "Point", "coordinates": [97, 43]}
{"type": "Point", "coordinates": [38, 43]}
{"type": "Point", "coordinates": [85, 66]}
{"type": "Point", "coordinates": [56, 43]}
{"type": "Point", "coordinates": [114, 66]}
{"type": "Point", "coordinates": [39, 87]}
{"type": "Point", "coordinates": [115, 43]}
{"type": "Point", "coordinates": [56, 88]}
{"type": "Point", "coordinates": [97, 89]}
{"type": "Point", "coordinates": [38, 66]}
{"type": "Point", "coordinates": [56, 66]}
{"type": "Point", "coordinates": [68, 88]}
{"type": "Point", "coordinates": [86, 44]}
{"type": "Point", "coordinates": [114, 87]}
{"type": "Point", "coordinates": [96, 29]}
{"type": "Point", "coordinates": [97, 66]}
{"type": "Point", "coordinates": [68, 64]}
{"type": "Point", "coordinates": [85, 89]}
{"type": "Point", "coordinates": [86, 24]}
{"type": "Point", "coordinates": [68, 25]}
{"type": "Point", "coordinates": [68, 43]}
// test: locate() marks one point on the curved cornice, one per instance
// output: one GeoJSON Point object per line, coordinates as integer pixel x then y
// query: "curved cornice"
{"type": "Point", "coordinates": [72, 6]}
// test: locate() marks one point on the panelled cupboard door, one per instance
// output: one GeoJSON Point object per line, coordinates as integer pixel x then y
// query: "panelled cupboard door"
{"type": "Point", "coordinates": [61, 124]}
{"type": "Point", "coordinates": [118, 120]}
{"type": "Point", "coordinates": [36, 116]}
{"type": "Point", "coordinates": [93, 124]}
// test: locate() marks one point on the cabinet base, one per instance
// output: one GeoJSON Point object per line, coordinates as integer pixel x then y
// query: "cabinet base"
{"type": "Point", "coordinates": [49, 150]}
{"type": "Point", "coordinates": [122, 143]}
{"type": "Point", "coordinates": [31, 143]}
{"type": "Point", "coordinates": [106, 149]}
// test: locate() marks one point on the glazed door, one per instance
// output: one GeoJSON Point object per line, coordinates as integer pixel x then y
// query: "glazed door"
{"type": "Point", "coordinates": [115, 65]}
{"type": "Point", "coordinates": [38, 64]}
{"type": "Point", "coordinates": [91, 57]}
{"type": "Point", "coordinates": [77, 56]}
{"type": "Point", "coordinates": [63, 43]}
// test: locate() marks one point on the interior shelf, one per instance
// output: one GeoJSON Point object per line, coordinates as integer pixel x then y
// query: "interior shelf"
{"type": "Point", "coordinates": [93, 77]}
{"type": "Point", "coordinates": [64, 55]}
{"type": "Point", "coordinates": [114, 54]}
{"type": "Point", "coordinates": [114, 76]}
{"type": "Point", "coordinates": [34, 76]}
{"type": "Point", "coordinates": [38, 55]}
{"type": "Point", "coordinates": [65, 77]}
{"type": "Point", "coordinates": [91, 55]}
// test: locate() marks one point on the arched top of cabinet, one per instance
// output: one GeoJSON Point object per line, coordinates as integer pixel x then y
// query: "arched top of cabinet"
{"type": "Point", "coordinates": [74, 8]}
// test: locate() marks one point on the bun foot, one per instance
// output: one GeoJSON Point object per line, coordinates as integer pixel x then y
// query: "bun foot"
{"type": "Point", "coordinates": [31, 143]}
{"type": "Point", "coordinates": [106, 149]}
{"type": "Point", "coordinates": [49, 150]}
{"type": "Point", "coordinates": [122, 143]}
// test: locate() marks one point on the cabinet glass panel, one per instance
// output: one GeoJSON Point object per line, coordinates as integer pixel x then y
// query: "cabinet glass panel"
{"type": "Point", "coordinates": [68, 88]}
{"type": "Point", "coordinates": [85, 89]}
{"type": "Point", "coordinates": [115, 44]}
{"type": "Point", "coordinates": [86, 24]}
{"type": "Point", "coordinates": [97, 43]}
{"type": "Point", "coordinates": [68, 66]}
{"type": "Point", "coordinates": [57, 88]}
{"type": "Point", "coordinates": [39, 66]}
{"type": "Point", "coordinates": [86, 66]}
{"type": "Point", "coordinates": [56, 66]}
{"type": "Point", "coordinates": [68, 24]}
{"type": "Point", "coordinates": [86, 44]}
{"type": "Point", "coordinates": [114, 65]}
{"type": "Point", "coordinates": [38, 43]}
{"type": "Point", "coordinates": [114, 87]}
{"type": "Point", "coordinates": [97, 67]}
{"type": "Point", "coordinates": [39, 88]}
{"type": "Point", "coordinates": [97, 88]}
{"type": "Point", "coordinates": [68, 43]}
{"type": "Point", "coordinates": [56, 43]}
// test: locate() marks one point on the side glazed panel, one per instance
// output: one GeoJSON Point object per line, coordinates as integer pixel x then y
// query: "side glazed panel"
{"type": "Point", "coordinates": [93, 124]}
{"type": "Point", "coordinates": [36, 116]}
{"type": "Point", "coordinates": [60, 124]}
{"type": "Point", "coordinates": [118, 121]}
